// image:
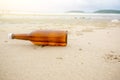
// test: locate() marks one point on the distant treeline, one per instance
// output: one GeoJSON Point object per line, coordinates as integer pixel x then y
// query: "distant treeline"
{"type": "Point", "coordinates": [98, 11]}
{"type": "Point", "coordinates": [108, 11]}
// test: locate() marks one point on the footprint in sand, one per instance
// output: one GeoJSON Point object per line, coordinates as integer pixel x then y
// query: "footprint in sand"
{"type": "Point", "coordinates": [5, 41]}
{"type": "Point", "coordinates": [80, 49]}
{"type": "Point", "coordinates": [78, 33]}
{"type": "Point", "coordinates": [111, 57]}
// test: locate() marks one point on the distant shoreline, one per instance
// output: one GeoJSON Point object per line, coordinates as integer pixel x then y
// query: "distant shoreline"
{"type": "Point", "coordinates": [103, 11]}
{"type": "Point", "coordinates": [73, 12]}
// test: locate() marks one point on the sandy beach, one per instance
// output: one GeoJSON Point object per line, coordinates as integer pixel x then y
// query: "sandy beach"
{"type": "Point", "coordinates": [92, 52]}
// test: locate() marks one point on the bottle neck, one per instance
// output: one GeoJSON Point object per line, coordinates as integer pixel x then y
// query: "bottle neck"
{"type": "Point", "coordinates": [20, 36]}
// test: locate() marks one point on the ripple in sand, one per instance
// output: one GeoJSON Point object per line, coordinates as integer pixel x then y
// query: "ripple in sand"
{"type": "Point", "coordinates": [59, 58]}
{"type": "Point", "coordinates": [87, 30]}
{"type": "Point", "coordinates": [1, 30]}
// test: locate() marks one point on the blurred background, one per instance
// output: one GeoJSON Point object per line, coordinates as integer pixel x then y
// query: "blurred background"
{"type": "Point", "coordinates": [57, 6]}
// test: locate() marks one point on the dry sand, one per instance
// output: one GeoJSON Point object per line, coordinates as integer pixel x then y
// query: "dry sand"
{"type": "Point", "coordinates": [92, 53]}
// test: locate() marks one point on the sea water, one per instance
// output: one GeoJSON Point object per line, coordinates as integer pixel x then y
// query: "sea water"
{"type": "Point", "coordinates": [61, 15]}
{"type": "Point", "coordinates": [39, 18]}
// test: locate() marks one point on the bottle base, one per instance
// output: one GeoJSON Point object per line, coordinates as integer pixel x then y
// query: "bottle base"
{"type": "Point", "coordinates": [49, 44]}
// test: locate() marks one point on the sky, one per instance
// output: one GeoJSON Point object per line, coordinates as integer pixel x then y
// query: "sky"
{"type": "Point", "coordinates": [58, 6]}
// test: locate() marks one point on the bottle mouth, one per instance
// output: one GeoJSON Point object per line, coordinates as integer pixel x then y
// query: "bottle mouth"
{"type": "Point", "coordinates": [10, 35]}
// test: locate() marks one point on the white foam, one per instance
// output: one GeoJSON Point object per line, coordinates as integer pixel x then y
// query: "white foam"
{"type": "Point", "coordinates": [115, 21]}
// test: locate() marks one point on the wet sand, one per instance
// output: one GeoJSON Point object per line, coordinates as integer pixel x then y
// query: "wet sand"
{"type": "Point", "coordinates": [92, 52]}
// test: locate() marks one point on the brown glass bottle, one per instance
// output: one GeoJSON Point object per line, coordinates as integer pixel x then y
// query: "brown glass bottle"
{"type": "Point", "coordinates": [44, 37]}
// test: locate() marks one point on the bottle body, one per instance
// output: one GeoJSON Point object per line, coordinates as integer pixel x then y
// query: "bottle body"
{"type": "Point", "coordinates": [44, 37]}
